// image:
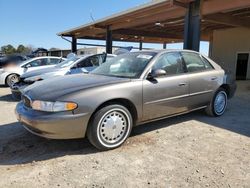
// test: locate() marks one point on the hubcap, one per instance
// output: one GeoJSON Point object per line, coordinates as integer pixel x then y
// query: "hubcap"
{"type": "Point", "coordinates": [13, 79]}
{"type": "Point", "coordinates": [113, 127]}
{"type": "Point", "coordinates": [220, 102]}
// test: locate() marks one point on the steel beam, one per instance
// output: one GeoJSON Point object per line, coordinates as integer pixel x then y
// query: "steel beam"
{"type": "Point", "coordinates": [74, 45]}
{"type": "Point", "coordinates": [140, 45]}
{"type": "Point", "coordinates": [164, 45]}
{"type": "Point", "coordinates": [192, 26]}
{"type": "Point", "coordinates": [109, 41]}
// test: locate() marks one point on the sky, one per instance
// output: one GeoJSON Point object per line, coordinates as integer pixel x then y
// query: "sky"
{"type": "Point", "coordinates": [36, 23]}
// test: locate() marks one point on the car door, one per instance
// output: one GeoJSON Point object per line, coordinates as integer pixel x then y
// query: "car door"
{"type": "Point", "coordinates": [166, 95]}
{"type": "Point", "coordinates": [35, 64]}
{"type": "Point", "coordinates": [202, 79]}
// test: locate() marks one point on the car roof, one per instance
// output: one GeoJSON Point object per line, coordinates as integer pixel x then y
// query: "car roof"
{"type": "Point", "coordinates": [41, 57]}
{"type": "Point", "coordinates": [167, 50]}
{"type": "Point", "coordinates": [89, 55]}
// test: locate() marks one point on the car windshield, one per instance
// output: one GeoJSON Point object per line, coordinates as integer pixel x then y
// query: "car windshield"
{"type": "Point", "coordinates": [67, 62]}
{"type": "Point", "coordinates": [129, 65]}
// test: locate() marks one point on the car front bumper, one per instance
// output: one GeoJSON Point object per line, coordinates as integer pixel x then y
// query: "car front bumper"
{"type": "Point", "coordinates": [62, 125]}
{"type": "Point", "coordinates": [3, 76]}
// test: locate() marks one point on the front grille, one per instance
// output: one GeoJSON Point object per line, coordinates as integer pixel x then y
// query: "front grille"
{"type": "Point", "coordinates": [26, 101]}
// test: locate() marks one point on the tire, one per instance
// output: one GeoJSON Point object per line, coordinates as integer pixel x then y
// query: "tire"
{"type": "Point", "coordinates": [218, 104]}
{"type": "Point", "coordinates": [12, 79]}
{"type": "Point", "coordinates": [102, 131]}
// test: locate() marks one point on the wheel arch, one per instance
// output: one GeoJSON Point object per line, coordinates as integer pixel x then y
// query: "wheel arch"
{"type": "Point", "coordinates": [122, 101]}
{"type": "Point", "coordinates": [226, 87]}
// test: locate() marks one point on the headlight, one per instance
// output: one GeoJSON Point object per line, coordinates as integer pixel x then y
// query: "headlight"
{"type": "Point", "coordinates": [53, 106]}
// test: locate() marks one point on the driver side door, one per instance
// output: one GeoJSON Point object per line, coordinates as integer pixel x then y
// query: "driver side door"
{"type": "Point", "coordinates": [35, 64]}
{"type": "Point", "coordinates": [168, 94]}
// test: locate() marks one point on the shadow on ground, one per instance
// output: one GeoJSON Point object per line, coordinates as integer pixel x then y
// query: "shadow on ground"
{"type": "Point", "coordinates": [7, 98]}
{"type": "Point", "coordinates": [23, 147]}
{"type": "Point", "coordinates": [17, 146]}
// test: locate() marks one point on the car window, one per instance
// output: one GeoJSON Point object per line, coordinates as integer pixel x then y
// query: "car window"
{"type": "Point", "coordinates": [207, 64]}
{"type": "Point", "coordinates": [195, 63]}
{"type": "Point", "coordinates": [53, 61]}
{"type": "Point", "coordinates": [38, 62]}
{"type": "Point", "coordinates": [129, 65]}
{"type": "Point", "coordinates": [109, 57]}
{"type": "Point", "coordinates": [85, 63]}
{"type": "Point", "coordinates": [67, 62]}
{"type": "Point", "coordinates": [95, 60]}
{"type": "Point", "coordinates": [171, 63]}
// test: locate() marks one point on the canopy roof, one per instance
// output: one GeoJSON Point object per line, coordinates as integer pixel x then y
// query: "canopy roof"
{"type": "Point", "coordinates": [163, 21]}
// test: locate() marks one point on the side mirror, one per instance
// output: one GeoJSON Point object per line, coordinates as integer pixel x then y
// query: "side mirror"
{"type": "Point", "coordinates": [156, 73]}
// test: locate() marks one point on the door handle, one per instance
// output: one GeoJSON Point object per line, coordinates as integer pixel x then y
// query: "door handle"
{"type": "Point", "coordinates": [182, 84]}
{"type": "Point", "coordinates": [214, 78]}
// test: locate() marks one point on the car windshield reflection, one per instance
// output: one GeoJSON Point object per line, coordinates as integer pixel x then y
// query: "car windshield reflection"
{"type": "Point", "coordinates": [129, 65]}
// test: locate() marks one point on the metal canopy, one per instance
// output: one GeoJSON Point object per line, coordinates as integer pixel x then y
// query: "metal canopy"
{"type": "Point", "coordinates": [163, 21]}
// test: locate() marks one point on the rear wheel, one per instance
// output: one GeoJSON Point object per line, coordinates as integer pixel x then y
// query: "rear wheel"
{"type": "Point", "coordinates": [218, 105]}
{"type": "Point", "coordinates": [110, 127]}
{"type": "Point", "coordinates": [12, 79]}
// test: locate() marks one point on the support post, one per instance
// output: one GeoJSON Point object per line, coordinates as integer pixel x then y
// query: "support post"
{"type": "Point", "coordinates": [164, 45]}
{"type": "Point", "coordinates": [192, 26]}
{"type": "Point", "coordinates": [74, 45]}
{"type": "Point", "coordinates": [108, 40]}
{"type": "Point", "coordinates": [211, 39]}
{"type": "Point", "coordinates": [140, 45]}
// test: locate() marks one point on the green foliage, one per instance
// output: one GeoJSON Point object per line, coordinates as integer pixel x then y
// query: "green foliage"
{"type": "Point", "coordinates": [21, 49]}
{"type": "Point", "coordinates": [8, 49]}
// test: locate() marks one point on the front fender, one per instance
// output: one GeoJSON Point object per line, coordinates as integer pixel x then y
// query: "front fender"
{"type": "Point", "coordinates": [90, 99]}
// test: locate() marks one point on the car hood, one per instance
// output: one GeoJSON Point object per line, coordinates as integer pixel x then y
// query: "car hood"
{"type": "Point", "coordinates": [40, 71]}
{"type": "Point", "coordinates": [52, 89]}
{"type": "Point", "coordinates": [45, 76]}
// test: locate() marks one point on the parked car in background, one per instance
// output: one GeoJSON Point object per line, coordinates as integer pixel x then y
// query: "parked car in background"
{"type": "Point", "coordinates": [11, 74]}
{"type": "Point", "coordinates": [73, 65]}
{"type": "Point", "coordinates": [130, 89]}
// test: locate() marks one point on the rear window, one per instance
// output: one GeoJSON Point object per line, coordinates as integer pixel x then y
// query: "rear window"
{"type": "Point", "coordinates": [195, 62]}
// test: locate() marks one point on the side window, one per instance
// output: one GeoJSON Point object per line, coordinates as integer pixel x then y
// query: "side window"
{"type": "Point", "coordinates": [195, 63]}
{"type": "Point", "coordinates": [84, 63]}
{"type": "Point", "coordinates": [38, 62]}
{"type": "Point", "coordinates": [207, 64]}
{"type": "Point", "coordinates": [53, 61]}
{"type": "Point", "coordinates": [95, 60]}
{"type": "Point", "coordinates": [171, 63]}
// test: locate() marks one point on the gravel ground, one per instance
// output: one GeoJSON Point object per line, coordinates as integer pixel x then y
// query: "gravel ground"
{"type": "Point", "coordinates": [192, 150]}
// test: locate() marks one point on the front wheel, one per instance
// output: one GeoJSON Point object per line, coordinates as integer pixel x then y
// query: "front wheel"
{"type": "Point", "coordinates": [218, 105]}
{"type": "Point", "coordinates": [110, 127]}
{"type": "Point", "coordinates": [12, 79]}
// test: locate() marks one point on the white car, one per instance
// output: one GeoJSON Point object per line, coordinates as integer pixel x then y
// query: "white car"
{"type": "Point", "coordinates": [11, 75]}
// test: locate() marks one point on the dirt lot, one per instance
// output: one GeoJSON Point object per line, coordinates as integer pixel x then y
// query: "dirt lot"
{"type": "Point", "coordinates": [192, 150]}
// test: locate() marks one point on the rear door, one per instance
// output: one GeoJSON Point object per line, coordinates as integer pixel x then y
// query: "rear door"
{"type": "Point", "coordinates": [168, 94]}
{"type": "Point", "coordinates": [203, 79]}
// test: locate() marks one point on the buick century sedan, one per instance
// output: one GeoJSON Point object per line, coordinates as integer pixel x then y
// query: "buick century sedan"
{"type": "Point", "coordinates": [129, 90]}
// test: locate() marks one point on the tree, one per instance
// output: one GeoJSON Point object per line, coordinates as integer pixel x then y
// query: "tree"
{"type": "Point", "coordinates": [8, 49]}
{"type": "Point", "coordinates": [21, 49]}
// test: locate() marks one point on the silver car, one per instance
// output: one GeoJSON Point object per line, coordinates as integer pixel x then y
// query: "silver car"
{"type": "Point", "coordinates": [129, 90]}
{"type": "Point", "coordinates": [73, 65]}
